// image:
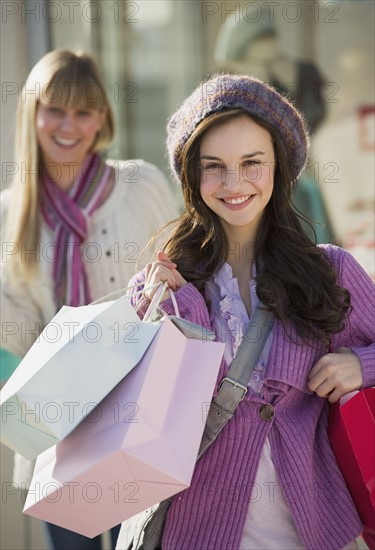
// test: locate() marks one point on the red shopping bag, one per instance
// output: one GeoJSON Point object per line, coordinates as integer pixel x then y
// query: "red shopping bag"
{"type": "Point", "coordinates": [352, 435]}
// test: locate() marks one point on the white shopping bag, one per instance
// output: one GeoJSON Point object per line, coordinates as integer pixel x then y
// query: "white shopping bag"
{"type": "Point", "coordinates": [81, 355]}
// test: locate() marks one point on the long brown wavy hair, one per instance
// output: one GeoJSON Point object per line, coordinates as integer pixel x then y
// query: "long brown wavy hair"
{"type": "Point", "coordinates": [295, 279]}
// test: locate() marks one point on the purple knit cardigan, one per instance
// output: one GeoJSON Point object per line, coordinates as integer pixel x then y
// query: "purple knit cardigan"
{"type": "Point", "coordinates": [211, 513]}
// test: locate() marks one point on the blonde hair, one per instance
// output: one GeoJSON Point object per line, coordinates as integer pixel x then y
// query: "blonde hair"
{"type": "Point", "coordinates": [68, 78]}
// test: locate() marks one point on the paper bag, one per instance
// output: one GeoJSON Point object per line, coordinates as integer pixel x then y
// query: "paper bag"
{"type": "Point", "coordinates": [352, 437]}
{"type": "Point", "coordinates": [138, 447]}
{"type": "Point", "coordinates": [79, 357]}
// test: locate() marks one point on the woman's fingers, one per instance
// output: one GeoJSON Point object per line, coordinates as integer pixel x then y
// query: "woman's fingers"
{"type": "Point", "coordinates": [157, 274]}
{"type": "Point", "coordinates": [179, 280]}
{"type": "Point", "coordinates": [162, 270]}
{"type": "Point", "coordinates": [153, 266]}
{"type": "Point", "coordinates": [336, 374]}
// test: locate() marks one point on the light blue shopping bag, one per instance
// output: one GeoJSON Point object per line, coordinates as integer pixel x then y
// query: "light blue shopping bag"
{"type": "Point", "coordinates": [81, 355]}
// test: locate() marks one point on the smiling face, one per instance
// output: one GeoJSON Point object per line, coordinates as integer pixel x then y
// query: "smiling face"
{"type": "Point", "coordinates": [237, 174]}
{"type": "Point", "coordinates": [66, 134]}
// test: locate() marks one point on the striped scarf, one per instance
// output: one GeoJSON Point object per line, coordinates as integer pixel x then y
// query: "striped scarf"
{"type": "Point", "coordinates": [67, 213]}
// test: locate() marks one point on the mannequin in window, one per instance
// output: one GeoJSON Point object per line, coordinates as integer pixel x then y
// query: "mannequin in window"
{"type": "Point", "coordinates": [246, 47]}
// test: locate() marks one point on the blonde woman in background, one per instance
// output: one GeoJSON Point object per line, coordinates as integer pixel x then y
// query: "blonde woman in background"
{"type": "Point", "coordinates": [73, 224]}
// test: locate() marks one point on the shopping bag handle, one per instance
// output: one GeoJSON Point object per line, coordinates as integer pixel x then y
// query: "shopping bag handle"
{"type": "Point", "coordinates": [156, 301]}
{"type": "Point", "coordinates": [117, 294]}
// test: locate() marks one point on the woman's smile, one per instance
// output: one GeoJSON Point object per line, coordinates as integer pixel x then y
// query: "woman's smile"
{"type": "Point", "coordinates": [64, 142]}
{"type": "Point", "coordinates": [237, 203]}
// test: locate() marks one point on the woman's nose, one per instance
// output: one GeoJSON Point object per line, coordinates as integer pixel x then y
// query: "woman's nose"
{"type": "Point", "coordinates": [67, 121]}
{"type": "Point", "coordinates": [232, 178]}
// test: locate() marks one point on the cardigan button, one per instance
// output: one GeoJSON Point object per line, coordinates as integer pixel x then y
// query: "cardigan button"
{"type": "Point", "coordinates": [266, 412]}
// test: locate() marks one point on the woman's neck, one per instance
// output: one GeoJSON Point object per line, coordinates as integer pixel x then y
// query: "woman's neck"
{"type": "Point", "coordinates": [241, 266]}
{"type": "Point", "coordinates": [241, 259]}
{"type": "Point", "coordinates": [241, 251]}
{"type": "Point", "coordinates": [64, 175]}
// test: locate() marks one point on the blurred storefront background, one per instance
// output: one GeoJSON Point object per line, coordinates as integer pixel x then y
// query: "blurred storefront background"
{"type": "Point", "coordinates": [153, 53]}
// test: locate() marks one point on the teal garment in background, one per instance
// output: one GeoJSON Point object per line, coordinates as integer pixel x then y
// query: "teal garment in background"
{"type": "Point", "coordinates": [308, 200]}
{"type": "Point", "coordinates": [8, 364]}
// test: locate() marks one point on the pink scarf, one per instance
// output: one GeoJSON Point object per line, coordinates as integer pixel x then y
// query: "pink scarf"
{"type": "Point", "coordinates": [66, 213]}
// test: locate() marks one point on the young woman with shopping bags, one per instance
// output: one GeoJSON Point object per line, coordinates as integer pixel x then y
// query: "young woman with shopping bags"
{"type": "Point", "coordinates": [270, 480]}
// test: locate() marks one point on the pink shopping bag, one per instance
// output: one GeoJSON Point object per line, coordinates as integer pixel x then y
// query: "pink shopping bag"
{"type": "Point", "coordinates": [138, 447]}
{"type": "Point", "coordinates": [352, 437]}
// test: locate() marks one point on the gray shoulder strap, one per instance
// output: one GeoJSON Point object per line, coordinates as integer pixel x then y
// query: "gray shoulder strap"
{"type": "Point", "coordinates": [233, 387]}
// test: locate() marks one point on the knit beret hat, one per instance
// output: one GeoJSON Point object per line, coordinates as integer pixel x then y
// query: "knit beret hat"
{"type": "Point", "coordinates": [226, 91]}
